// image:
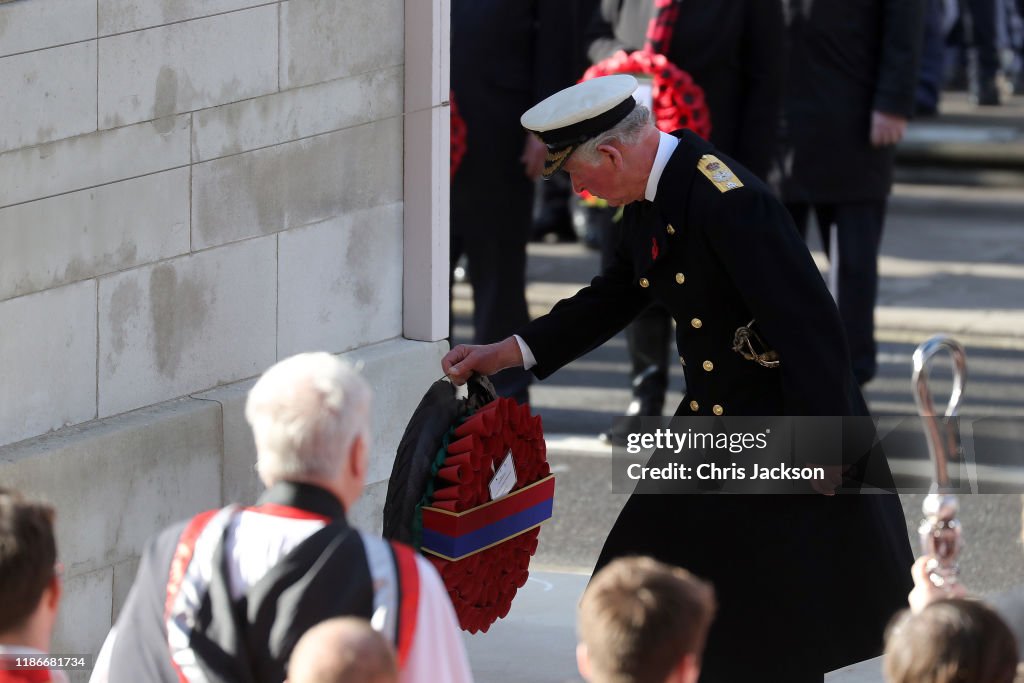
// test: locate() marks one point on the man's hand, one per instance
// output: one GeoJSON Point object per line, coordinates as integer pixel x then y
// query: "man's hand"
{"type": "Point", "coordinates": [534, 152]}
{"type": "Point", "coordinates": [886, 129]}
{"type": "Point", "coordinates": [462, 361]}
{"type": "Point", "coordinates": [833, 479]}
{"type": "Point", "coordinates": [925, 592]}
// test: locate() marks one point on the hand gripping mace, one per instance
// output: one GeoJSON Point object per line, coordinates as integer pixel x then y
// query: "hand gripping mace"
{"type": "Point", "coordinates": [940, 530]}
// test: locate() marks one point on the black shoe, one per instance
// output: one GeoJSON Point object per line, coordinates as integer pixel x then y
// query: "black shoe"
{"type": "Point", "coordinates": [957, 79]}
{"type": "Point", "coordinates": [987, 93]}
{"type": "Point", "coordinates": [629, 424]}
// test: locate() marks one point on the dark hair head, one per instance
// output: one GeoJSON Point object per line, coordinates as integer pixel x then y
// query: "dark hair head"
{"type": "Point", "coordinates": [950, 641]}
{"type": "Point", "coordinates": [28, 555]}
{"type": "Point", "coordinates": [639, 617]}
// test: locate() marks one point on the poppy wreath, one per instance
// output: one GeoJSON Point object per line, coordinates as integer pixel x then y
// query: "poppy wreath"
{"type": "Point", "coordinates": [677, 101]}
{"type": "Point", "coordinates": [458, 135]}
{"type": "Point", "coordinates": [482, 585]}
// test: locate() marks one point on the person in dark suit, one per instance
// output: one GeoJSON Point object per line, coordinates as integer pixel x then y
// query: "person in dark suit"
{"type": "Point", "coordinates": [733, 49]}
{"type": "Point", "coordinates": [806, 583]}
{"type": "Point", "coordinates": [553, 207]}
{"type": "Point", "coordinates": [850, 87]}
{"type": "Point", "coordinates": [504, 57]}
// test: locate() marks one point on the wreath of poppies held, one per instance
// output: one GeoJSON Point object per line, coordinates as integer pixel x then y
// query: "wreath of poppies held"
{"type": "Point", "coordinates": [458, 135]}
{"type": "Point", "coordinates": [482, 585]}
{"type": "Point", "coordinates": [678, 102]}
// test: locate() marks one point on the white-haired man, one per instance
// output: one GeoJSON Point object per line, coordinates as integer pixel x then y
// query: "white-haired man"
{"type": "Point", "coordinates": [226, 595]}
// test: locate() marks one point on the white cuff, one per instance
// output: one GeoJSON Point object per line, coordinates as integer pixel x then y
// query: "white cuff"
{"type": "Point", "coordinates": [528, 360]}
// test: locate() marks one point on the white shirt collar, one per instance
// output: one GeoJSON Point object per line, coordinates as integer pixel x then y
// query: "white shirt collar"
{"type": "Point", "coordinates": [666, 145]}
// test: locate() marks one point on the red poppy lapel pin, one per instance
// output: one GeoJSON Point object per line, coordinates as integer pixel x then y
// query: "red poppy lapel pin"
{"type": "Point", "coordinates": [654, 249]}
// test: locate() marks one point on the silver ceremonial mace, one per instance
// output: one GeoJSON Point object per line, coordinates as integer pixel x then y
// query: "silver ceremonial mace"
{"type": "Point", "coordinates": [940, 532]}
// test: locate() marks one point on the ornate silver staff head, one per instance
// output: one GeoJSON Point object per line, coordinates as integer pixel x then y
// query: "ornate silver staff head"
{"type": "Point", "coordinates": [940, 532]}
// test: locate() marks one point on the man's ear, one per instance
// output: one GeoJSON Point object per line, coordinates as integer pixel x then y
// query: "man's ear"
{"type": "Point", "coordinates": [357, 459]}
{"type": "Point", "coordinates": [688, 669]}
{"type": "Point", "coordinates": [53, 593]}
{"type": "Point", "coordinates": [583, 661]}
{"type": "Point", "coordinates": [613, 154]}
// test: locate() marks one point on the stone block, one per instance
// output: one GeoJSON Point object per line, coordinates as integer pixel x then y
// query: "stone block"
{"type": "Point", "coordinates": [83, 234]}
{"type": "Point", "coordinates": [426, 54]}
{"type": "Point", "coordinates": [326, 39]}
{"type": "Point", "coordinates": [84, 617]}
{"type": "Point", "coordinates": [116, 482]}
{"type": "Point", "coordinates": [299, 113]}
{"type": "Point", "coordinates": [426, 194]}
{"type": "Point", "coordinates": [55, 95]}
{"type": "Point", "coordinates": [186, 325]}
{"type": "Point", "coordinates": [297, 183]}
{"type": "Point", "coordinates": [191, 65]}
{"type": "Point", "coordinates": [26, 26]}
{"type": "Point", "coordinates": [400, 371]}
{"type": "Point", "coordinates": [341, 282]}
{"type": "Point", "coordinates": [240, 483]}
{"type": "Point", "coordinates": [367, 513]}
{"type": "Point", "coordinates": [94, 159]}
{"type": "Point", "coordinates": [124, 577]}
{"type": "Point", "coordinates": [122, 16]}
{"type": "Point", "coordinates": [47, 361]}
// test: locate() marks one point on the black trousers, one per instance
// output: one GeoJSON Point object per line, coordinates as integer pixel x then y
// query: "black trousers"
{"type": "Point", "coordinates": [859, 231]}
{"type": "Point", "coordinates": [978, 29]}
{"type": "Point", "coordinates": [491, 229]}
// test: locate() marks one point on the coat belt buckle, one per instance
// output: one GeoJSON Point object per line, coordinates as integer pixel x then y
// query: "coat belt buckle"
{"type": "Point", "coordinates": [747, 341]}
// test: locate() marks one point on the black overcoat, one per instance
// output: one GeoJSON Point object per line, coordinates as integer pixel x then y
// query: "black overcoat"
{"type": "Point", "coordinates": [723, 259]}
{"type": "Point", "coordinates": [733, 50]}
{"type": "Point", "coordinates": [806, 584]}
{"type": "Point", "coordinates": [846, 58]}
{"type": "Point", "coordinates": [507, 55]}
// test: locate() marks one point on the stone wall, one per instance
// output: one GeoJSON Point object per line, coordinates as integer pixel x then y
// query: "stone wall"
{"type": "Point", "coordinates": [191, 190]}
{"type": "Point", "coordinates": [188, 191]}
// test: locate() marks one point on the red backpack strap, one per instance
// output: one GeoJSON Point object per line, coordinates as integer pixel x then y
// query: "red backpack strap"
{"type": "Point", "coordinates": [183, 556]}
{"type": "Point", "coordinates": [409, 583]}
{"type": "Point", "coordinates": [184, 553]}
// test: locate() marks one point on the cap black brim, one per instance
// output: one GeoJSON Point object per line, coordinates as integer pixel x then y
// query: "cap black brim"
{"type": "Point", "coordinates": [555, 160]}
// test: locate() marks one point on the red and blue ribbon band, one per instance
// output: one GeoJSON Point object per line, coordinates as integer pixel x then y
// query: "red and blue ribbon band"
{"type": "Point", "coordinates": [456, 535]}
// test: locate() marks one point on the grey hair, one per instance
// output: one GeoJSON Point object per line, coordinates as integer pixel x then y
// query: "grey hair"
{"type": "Point", "coordinates": [306, 412]}
{"type": "Point", "coordinates": [625, 132]}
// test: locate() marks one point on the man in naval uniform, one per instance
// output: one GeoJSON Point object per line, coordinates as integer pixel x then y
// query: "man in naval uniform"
{"type": "Point", "coordinates": [807, 583]}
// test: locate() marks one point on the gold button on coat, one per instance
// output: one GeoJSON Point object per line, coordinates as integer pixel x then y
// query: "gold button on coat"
{"type": "Point", "coordinates": [682, 361]}
{"type": "Point", "coordinates": [694, 406]}
{"type": "Point", "coordinates": [697, 324]}
{"type": "Point", "coordinates": [670, 230]}
{"type": "Point", "coordinates": [709, 366]}
{"type": "Point", "coordinates": [644, 282]}
{"type": "Point", "coordinates": [680, 278]}
{"type": "Point", "coordinates": [717, 409]}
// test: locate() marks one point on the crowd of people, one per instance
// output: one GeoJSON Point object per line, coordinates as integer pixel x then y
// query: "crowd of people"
{"type": "Point", "coordinates": [810, 96]}
{"type": "Point", "coordinates": [286, 591]}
